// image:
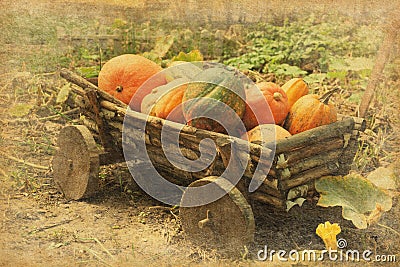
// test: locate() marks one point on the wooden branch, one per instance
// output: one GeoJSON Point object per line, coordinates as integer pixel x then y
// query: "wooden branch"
{"type": "Point", "coordinates": [329, 168]}
{"type": "Point", "coordinates": [101, 124]}
{"type": "Point", "coordinates": [346, 159]}
{"type": "Point", "coordinates": [360, 124]}
{"type": "Point", "coordinates": [267, 199]}
{"type": "Point", "coordinates": [115, 126]}
{"type": "Point", "coordinates": [265, 169]}
{"type": "Point", "coordinates": [270, 191]}
{"type": "Point", "coordinates": [311, 162]}
{"type": "Point", "coordinates": [110, 142]}
{"type": "Point", "coordinates": [89, 123]}
{"type": "Point", "coordinates": [306, 152]}
{"type": "Point", "coordinates": [61, 114]}
{"type": "Point", "coordinates": [46, 227]}
{"type": "Point", "coordinates": [314, 136]}
{"type": "Point", "coordinates": [112, 107]}
{"type": "Point", "coordinates": [36, 166]}
{"type": "Point", "coordinates": [78, 90]}
{"type": "Point", "coordinates": [392, 32]}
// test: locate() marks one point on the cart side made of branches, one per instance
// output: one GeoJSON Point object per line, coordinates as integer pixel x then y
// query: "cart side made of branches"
{"type": "Point", "coordinates": [298, 161]}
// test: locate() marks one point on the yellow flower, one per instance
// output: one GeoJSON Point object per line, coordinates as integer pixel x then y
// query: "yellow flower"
{"type": "Point", "coordinates": [328, 232]}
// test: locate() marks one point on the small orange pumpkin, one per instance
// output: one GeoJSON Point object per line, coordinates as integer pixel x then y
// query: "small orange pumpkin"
{"type": "Point", "coordinates": [265, 133]}
{"type": "Point", "coordinates": [256, 112]}
{"type": "Point", "coordinates": [168, 105]}
{"type": "Point", "coordinates": [311, 111]}
{"type": "Point", "coordinates": [294, 89]}
{"type": "Point", "coordinates": [122, 76]}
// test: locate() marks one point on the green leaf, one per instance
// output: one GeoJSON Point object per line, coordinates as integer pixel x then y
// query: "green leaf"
{"type": "Point", "coordinates": [88, 72]}
{"type": "Point", "coordinates": [357, 196]}
{"type": "Point", "coordinates": [63, 93]}
{"type": "Point", "coordinates": [152, 56]}
{"type": "Point", "coordinates": [341, 75]}
{"type": "Point", "coordinates": [119, 23]}
{"type": "Point", "coordinates": [291, 203]}
{"type": "Point", "coordinates": [285, 70]}
{"type": "Point", "coordinates": [355, 98]}
{"type": "Point", "coordinates": [384, 178]}
{"type": "Point", "coordinates": [162, 46]}
{"type": "Point", "coordinates": [364, 73]}
{"type": "Point", "coordinates": [314, 78]}
{"type": "Point", "coordinates": [20, 110]}
{"type": "Point", "coordinates": [337, 64]}
{"type": "Point", "coordinates": [194, 55]}
{"type": "Point", "coordinates": [298, 191]}
{"type": "Point", "coordinates": [245, 66]}
{"type": "Point", "coordinates": [86, 54]}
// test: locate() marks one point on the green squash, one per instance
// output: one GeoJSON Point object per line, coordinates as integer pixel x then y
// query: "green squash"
{"type": "Point", "coordinates": [216, 94]}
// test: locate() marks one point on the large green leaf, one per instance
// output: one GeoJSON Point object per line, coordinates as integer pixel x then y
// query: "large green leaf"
{"type": "Point", "coordinates": [357, 196]}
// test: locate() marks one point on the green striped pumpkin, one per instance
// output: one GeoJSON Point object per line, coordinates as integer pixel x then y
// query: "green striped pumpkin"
{"type": "Point", "coordinates": [200, 100]}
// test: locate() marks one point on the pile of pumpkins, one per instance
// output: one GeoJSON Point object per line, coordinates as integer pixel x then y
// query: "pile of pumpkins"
{"type": "Point", "coordinates": [291, 108]}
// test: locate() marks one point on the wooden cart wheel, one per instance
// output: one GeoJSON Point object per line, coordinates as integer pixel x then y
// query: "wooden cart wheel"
{"type": "Point", "coordinates": [226, 224]}
{"type": "Point", "coordinates": [76, 163]}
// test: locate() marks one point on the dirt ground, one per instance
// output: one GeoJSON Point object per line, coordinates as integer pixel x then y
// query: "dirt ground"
{"type": "Point", "coordinates": [121, 225]}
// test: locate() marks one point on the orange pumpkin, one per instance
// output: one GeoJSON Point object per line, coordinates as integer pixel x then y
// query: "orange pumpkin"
{"type": "Point", "coordinates": [256, 111]}
{"type": "Point", "coordinates": [311, 111]}
{"type": "Point", "coordinates": [294, 89]}
{"type": "Point", "coordinates": [169, 105]}
{"type": "Point", "coordinates": [123, 75]}
{"type": "Point", "coordinates": [265, 133]}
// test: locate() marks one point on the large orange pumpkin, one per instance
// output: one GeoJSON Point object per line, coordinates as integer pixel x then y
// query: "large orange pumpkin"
{"type": "Point", "coordinates": [256, 111]}
{"type": "Point", "coordinates": [311, 111]}
{"type": "Point", "coordinates": [121, 77]}
{"type": "Point", "coordinates": [294, 89]}
{"type": "Point", "coordinates": [265, 133]}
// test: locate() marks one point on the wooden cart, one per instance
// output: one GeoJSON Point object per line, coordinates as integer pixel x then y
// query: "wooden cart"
{"type": "Point", "coordinates": [227, 222]}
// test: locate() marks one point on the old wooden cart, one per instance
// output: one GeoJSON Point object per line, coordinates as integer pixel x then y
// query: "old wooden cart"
{"type": "Point", "coordinates": [229, 221]}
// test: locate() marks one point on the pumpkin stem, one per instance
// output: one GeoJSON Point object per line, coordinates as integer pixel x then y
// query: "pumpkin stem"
{"type": "Point", "coordinates": [325, 97]}
{"type": "Point", "coordinates": [277, 96]}
{"type": "Point", "coordinates": [119, 88]}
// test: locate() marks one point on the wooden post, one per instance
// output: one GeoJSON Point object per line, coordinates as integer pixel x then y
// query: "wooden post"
{"type": "Point", "coordinates": [383, 55]}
